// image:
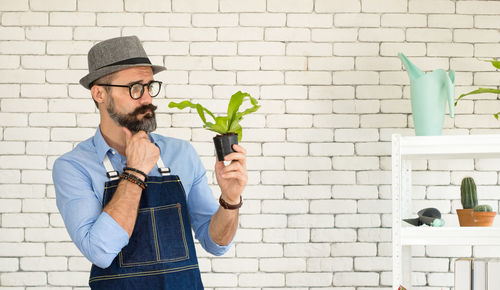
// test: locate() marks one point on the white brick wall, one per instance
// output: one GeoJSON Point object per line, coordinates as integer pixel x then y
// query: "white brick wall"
{"type": "Point", "coordinates": [318, 212]}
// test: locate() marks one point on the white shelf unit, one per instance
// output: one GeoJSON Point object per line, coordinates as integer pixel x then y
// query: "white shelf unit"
{"type": "Point", "coordinates": [406, 149]}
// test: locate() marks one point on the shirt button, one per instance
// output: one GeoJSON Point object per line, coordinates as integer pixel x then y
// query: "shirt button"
{"type": "Point", "coordinates": [113, 152]}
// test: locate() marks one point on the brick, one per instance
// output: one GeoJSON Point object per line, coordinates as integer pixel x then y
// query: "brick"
{"type": "Point", "coordinates": [374, 177]}
{"type": "Point", "coordinates": [354, 192]}
{"type": "Point", "coordinates": [22, 162]}
{"type": "Point", "coordinates": [259, 250]}
{"type": "Point", "coordinates": [147, 6]}
{"type": "Point", "coordinates": [333, 206]}
{"type": "Point", "coordinates": [355, 77]}
{"type": "Point", "coordinates": [333, 235]}
{"type": "Point", "coordinates": [212, 77]}
{"type": "Point", "coordinates": [79, 264]}
{"type": "Point", "coordinates": [309, 279]}
{"type": "Point", "coordinates": [310, 135]}
{"type": "Point", "coordinates": [71, 134]}
{"type": "Point", "coordinates": [236, 63]}
{"type": "Point", "coordinates": [284, 206]}
{"type": "Point", "coordinates": [358, 20]}
{"type": "Point", "coordinates": [448, 251]}
{"type": "Point", "coordinates": [262, 280]}
{"type": "Point", "coordinates": [194, 5]}
{"type": "Point", "coordinates": [7, 147]}
{"type": "Point", "coordinates": [235, 265]}
{"type": "Point", "coordinates": [337, 6]}
{"type": "Point", "coordinates": [263, 19]}
{"type": "Point", "coordinates": [332, 177]}
{"type": "Point", "coordinates": [286, 235]}
{"type": "Point", "coordinates": [451, 21]}
{"type": "Point", "coordinates": [260, 77]}
{"type": "Point", "coordinates": [406, 20]}
{"type": "Point", "coordinates": [330, 264]}
{"type": "Point", "coordinates": [428, 6]}
{"type": "Point", "coordinates": [10, 205]}
{"type": "Point", "coordinates": [387, 6]}
{"type": "Point", "coordinates": [193, 34]}
{"type": "Point", "coordinates": [44, 263]}
{"type": "Point", "coordinates": [21, 76]}
{"type": "Point", "coordinates": [307, 163]}
{"type": "Point", "coordinates": [8, 5]}
{"type": "Point", "coordinates": [71, 106]}
{"type": "Point", "coordinates": [52, 119]}
{"type": "Point", "coordinates": [11, 33]}
{"type": "Point", "coordinates": [215, 20]}
{"type": "Point", "coordinates": [472, 7]}
{"type": "Point", "coordinates": [26, 134]}
{"type": "Point", "coordinates": [284, 149]}
{"type": "Point", "coordinates": [283, 177]}
{"type": "Point", "coordinates": [44, 62]}
{"type": "Point", "coordinates": [68, 47]}
{"type": "Point", "coordinates": [410, 49]}
{"type": "Point", "coordinates": [51, 5]}
{"type": "Point", "coordinates": [356, 249]}
{"type": "Point", "coordinates": [355, 163]}
{"type": "Point", "coordinates": [307, 250]}
{"type": "Point", "coordinates": [168, 19]}
{"type": "Point", "coordinates": [355, 49]}
{"type": "Point", "coordinates": [308, 78]}
{"type": "Point", "coordinates": [261, 48]}
{"type": "Point", "coordinates": [428, 35]}
{"type": "Point", "coordinates": [290, 6]}
{"type": "Point", "coordinates": [9, 264]}
{"type": "Point", "coordinates": [263, 221]}
{"type": "Point", "coordinates": [213, 48]}
{"type": "Point", "coordinates": [19, 190]}
{"type": "Point", "coordinates": [95, 5]}
{"type": "Point", "coordinates": [309, 20]}
{"type": "Point", "coordinates": [242, 6]}
{"type": "Point", "coordinates": [25, 18]}
{"type": "Point", "coordinates": [287, 34]}
{"type": "Point", "coordinates": [49, 33]}
{"type": "Point", "coordinates": [381, 34]}
{"type": "Point", "coordinates": [218, 279]}
{"type": "Point", "coordinates": [331, 149]}
{"type": "Point", "coordinates": [68, 278]}
{"type": "Point", "coordinates": [356, 106]}
{"type": "Point", "coordinates": [335, 35]}
{"type": "Point", "coordinates": [62, 249]}
{"type": "Point", "coordinates": [13, 119]}
{"type": "Point", "coordinates": [485, 50]}
{"type": "Point", "coordinates": [486, 21]}
{"type": "Point", "coordinates": [117, 19]}
{"type": "Point", "coordinates": [282, 265]}
{"type": "Point", "coordinates": [475, 35]}
{"type": "Point", "coordinates": [146, 33]}
{"type": "Point", "coordinates": [331, 63]}
{"type": "Point", "coordinates": [23, 279]}
{"type": "Point", "coordinates": [21, 249]}
{"type": "Point", "coordinates": [375, 235]}
{"type": "Point", "coordinates": [47, 235]}
{"type": "Point", "coordinates": [309, 49]}
{"type": "Point", "coordinates": [329, 92]}
{"type": "Point", "coordinates": [240, 33]}
{"type": "Point", "coordinates": [39, 205]}
{"type": "Point", "coordinates": [72, 18]}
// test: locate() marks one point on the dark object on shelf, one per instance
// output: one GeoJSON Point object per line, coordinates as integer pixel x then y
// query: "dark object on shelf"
{"type": "Point", "coordinates": [428, 216]}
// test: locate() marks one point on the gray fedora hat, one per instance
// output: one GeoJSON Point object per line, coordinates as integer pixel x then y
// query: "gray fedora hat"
{"type": "Point", "coordinates": [116, 54]}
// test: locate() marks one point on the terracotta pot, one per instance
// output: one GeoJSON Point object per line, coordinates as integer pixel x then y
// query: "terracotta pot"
{"type": "Point", "coordinates": [466, 217]}
{"type": "Point", "coordinates": [484, 218]}
{"type": "Point", "coordinates": [224, 144]}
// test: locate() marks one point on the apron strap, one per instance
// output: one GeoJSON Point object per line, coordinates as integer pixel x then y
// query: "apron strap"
{"type": "Point", "coordinates": [164, 171]}
{"type": "Point", "coordinates": [112, 174]}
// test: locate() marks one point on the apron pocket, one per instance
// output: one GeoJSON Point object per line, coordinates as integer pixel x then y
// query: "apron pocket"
{"type": "Point", "coordinates": [141, 248]}
{"type": "Point", "coordinates": [172, 242]}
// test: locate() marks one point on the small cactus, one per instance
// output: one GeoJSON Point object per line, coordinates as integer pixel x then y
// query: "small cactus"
{"type": "Point", "coordinates": [483, 208]}
{"type": "Point", "coordinates": [468, 193]}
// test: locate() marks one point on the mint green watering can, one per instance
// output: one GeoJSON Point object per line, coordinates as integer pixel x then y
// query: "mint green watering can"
{"type": "Point", "coordinates": [429, 94]}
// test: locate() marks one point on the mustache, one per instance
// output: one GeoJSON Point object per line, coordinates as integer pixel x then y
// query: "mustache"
{"type": "Point", "coordinates": [143, 109]}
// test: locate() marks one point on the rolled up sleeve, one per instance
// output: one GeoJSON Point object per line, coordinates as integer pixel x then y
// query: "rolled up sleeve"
{"type": "Point", "coordinates": [96, 234]}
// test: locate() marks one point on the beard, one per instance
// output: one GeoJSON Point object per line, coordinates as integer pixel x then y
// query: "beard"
{"type": "Point", "coordinates": [130, 121]}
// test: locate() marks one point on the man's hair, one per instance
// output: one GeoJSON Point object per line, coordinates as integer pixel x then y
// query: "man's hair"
{"type": "Point", "coordinates": [103, 80]}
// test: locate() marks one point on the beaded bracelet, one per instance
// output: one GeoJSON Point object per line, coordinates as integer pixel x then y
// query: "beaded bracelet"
{"type": "Point", "coordinates": [134, 179]}
{"type": "Point", "coordinates": [136, 170]}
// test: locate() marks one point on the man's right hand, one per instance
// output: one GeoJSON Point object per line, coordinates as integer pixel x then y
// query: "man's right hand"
{"type": "Point", "coordinates": [140, 152]}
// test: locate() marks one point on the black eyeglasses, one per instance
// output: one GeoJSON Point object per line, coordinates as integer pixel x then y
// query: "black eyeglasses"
{"type": "Point", "coordinates": [136, 90]}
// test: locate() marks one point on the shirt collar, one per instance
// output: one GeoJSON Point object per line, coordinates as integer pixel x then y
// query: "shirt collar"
{"type": "Point", "coordinates": [102, 147]}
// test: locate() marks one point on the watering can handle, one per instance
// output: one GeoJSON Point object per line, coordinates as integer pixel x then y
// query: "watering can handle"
{"type": "Point", "coordinates": [412, 70]}
{"type": "Point", "coordinates": [450, 80]}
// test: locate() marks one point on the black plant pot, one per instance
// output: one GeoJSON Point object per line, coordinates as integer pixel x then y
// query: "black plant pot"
{"type": "Point", "coordinates": [224, 144]}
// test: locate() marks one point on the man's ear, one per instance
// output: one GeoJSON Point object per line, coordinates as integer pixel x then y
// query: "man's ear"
{"type": "Point", "coordinates": [98, 94]}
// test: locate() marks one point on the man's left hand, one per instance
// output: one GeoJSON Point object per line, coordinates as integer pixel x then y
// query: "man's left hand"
{"type": "Point", "coordinates": [232, 178]}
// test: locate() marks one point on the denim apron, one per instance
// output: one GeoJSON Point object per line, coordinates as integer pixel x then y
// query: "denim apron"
{"type": "Point", "coordinates": [160, 253]}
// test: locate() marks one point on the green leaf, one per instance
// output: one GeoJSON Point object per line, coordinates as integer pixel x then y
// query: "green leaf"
{"type": "Point", "coordinates": [494, 62]}
{"type": "Point", "coordinates": [478, 91]}
{"type": "Point", "coordinates": [199, 108]}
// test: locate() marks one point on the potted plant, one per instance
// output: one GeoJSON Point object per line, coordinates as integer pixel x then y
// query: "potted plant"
{"type": "Point", "coordinates": [468, 194]}
{"type": "Point", "coordinates": [228, 127]}
{"type": "Point", "coordinates": [496, 64]}
{"type": "Point", "coordinates": [483, 215]}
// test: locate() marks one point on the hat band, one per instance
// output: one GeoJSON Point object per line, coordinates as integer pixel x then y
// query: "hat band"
{"type": "Point", "coordinates": [135, 60]}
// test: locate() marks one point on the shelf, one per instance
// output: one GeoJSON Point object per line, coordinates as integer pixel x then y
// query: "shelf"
{"type": "Point", "coordinates": [450, 235]}
{"type": "Point", "coordinates": [463, 146]}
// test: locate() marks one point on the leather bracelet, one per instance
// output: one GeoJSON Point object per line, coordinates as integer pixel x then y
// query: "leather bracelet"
{"type": "Point", "coordinates": [136, 170]}
{"type": "Point", "coordinates": [134, 179]}
{"type": "Point", "coordinates": [226, 205]}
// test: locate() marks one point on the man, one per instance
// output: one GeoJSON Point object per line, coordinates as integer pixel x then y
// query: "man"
{"type": "Point", "coordinates": [120, 192]}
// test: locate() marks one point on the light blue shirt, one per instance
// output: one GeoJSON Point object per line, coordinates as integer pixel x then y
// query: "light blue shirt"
{"type": "Point", "coordinates": [79, 178]}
